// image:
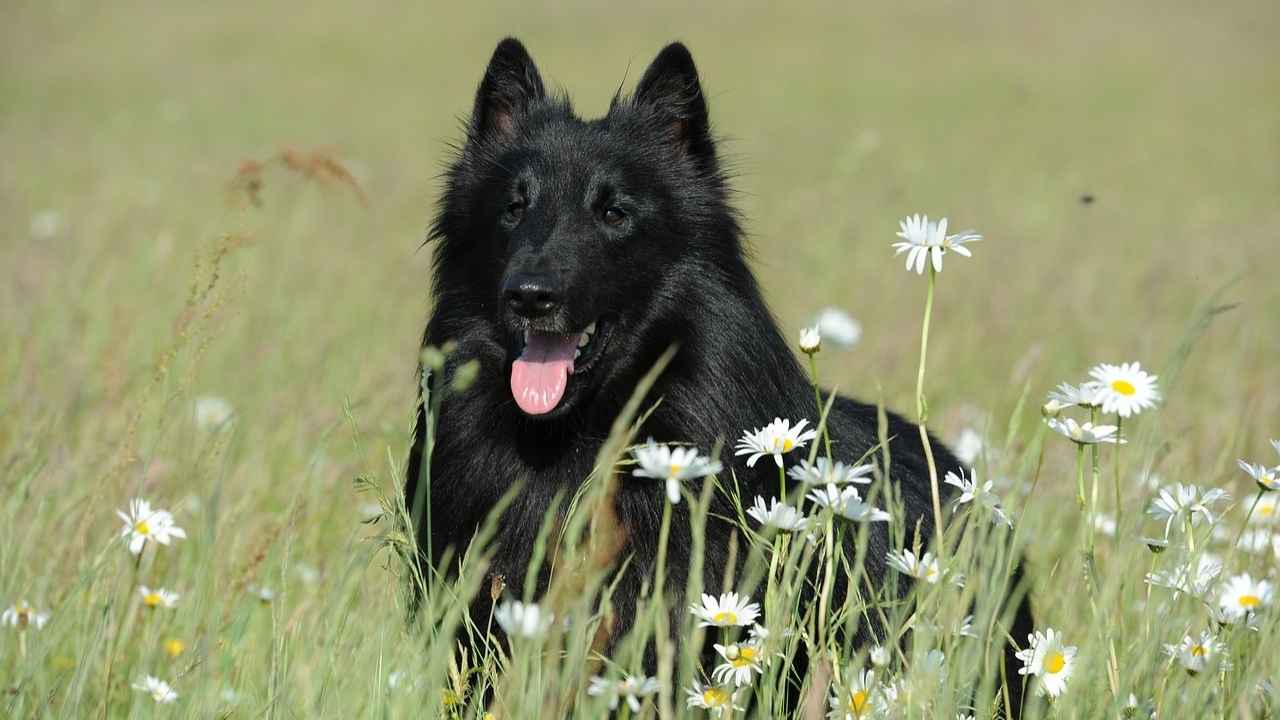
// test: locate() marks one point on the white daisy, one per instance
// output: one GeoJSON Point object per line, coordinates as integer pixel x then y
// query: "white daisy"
{"type": "Point", "coordinates": [1086, 394]}
{"type": "Point", "coordinates": [158, 597]}
{"type": "Point", "coordinates": [923, 240]}
{"type": "Point", "coordinates": [857, 699]}
{"type": "Point", "coordinates": [142, 523]}
{"type": "Point", "coordinates": [740, 662]}
{"type": "Point", "coordinates": [1085, 433]}
{"type": "Point", "coordinates": [1197, 654]}
{"type": "Point", "coordinates": [22, 616]}
{"type": "Point", "coordinates": [810, 340]}
{"type": "Point", "coordinates": [728, 610]}
{"type": "Point", "coordinates": [212, 412]}
{"type": "Point", "coordinates": [1267, 511]}
{"type": "Point", "coordinates": [1105, 524]}
{"type": "Point", "coordinates": [307, 573]}
{"type": "Point", "coordinates": [838, 326]}
{"type": "Point", "coordinates": [1243, 596]}
{"type": "Point", "coordinates": [1196, 581]}
{"type": "Point", "coordinates": [880, 656]}
{"type": "Point", "coordinates": [395, 678]}
{"type": "Point", "coordinates": [1126, 388]}
{"type": "Point", "coordinates": [1186, 500]}
{"type": "Point", "coordinates": [158, 689]}
{"type": "Point", "coordinates": [824, 472]}
{"type": "Point", "coordinates": [981, 495]}
{"type": "Point", "coordinates": [968, 447]}
{"type": "Point", "coordinates": [924, 567]}
{"type": "Point", "coordinates": [713, 697]}
{"type": "Point", "coordinates": [1256, 541]}
{"type": "Point", "coordinates": [520, 619]}
{"type": "Point", "coordinates": [45, 224]}
{"type": "Point", "coordinates": [779, 515]}
{"type": "Point", "coordinates": [930, 671]}
{"type": "Point", "coordinates": [672, 465]}
{"type": "Point", "coordinates": [847, 503]}
{"type": "Point", "coordinates": [777, 439]}
{"type": "Point", "coordinates": [1268, 479]}
{"type": "Point", "coordinates": [264, 594]}
{"type": "Point", "coordinates": [1135, 708]}
{"type": "Point", "coordinates": [631, 688]}
{"type": "Point", "coordinates": [1049, 660]}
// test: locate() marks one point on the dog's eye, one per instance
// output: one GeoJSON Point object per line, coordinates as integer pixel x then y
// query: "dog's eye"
{"type": "Point", "coordinates": [614, 215]}
{"type": "Point", "coordinates": [515, 210]}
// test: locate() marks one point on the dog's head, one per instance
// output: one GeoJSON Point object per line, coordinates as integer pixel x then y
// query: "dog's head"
{"type": "Point", "coordinates": [568, 243]}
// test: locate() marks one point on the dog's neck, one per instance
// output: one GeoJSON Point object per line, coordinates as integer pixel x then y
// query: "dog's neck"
{"type": "Point", "coordinates": [712, 384]}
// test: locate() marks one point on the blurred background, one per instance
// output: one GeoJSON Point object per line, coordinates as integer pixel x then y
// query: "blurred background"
{"type": "Point", "coordinates": [1122, 160]}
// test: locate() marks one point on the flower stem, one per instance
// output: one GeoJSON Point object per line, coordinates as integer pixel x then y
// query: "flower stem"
{"type": "Point", "coordinates": [1119, 505]}
{"type": "Point", "coordinates": [922, 416]}
{"type": "Point", "coordinates": [817, 397]}
{"type": "Point", "coordinates": [827, 578]}
{"type": "Point", "coordinates": [1080, 476]}
{"type": "Point", "coordinates": [1247, 517]}
{"type": "Point", "coordinates": [1095, 462]}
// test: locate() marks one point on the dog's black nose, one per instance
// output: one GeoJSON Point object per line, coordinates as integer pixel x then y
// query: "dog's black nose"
{"type": "Point", "coordinates": [531, 296]}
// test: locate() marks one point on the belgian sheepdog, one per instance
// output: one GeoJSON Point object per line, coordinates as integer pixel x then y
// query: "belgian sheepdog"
{"type": "Point", "coordinates": [569, 255]}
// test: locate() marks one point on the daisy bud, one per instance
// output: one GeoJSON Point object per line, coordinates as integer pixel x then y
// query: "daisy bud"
{"type": "Point", "coordinates": [1052, 409]}
{"type": "Point", "coordinates": [497, 583]}
{"type": "Point", "coordinates": [810, 340]}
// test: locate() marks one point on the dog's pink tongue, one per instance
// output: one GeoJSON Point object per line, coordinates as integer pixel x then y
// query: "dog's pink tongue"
{"type": "Point", "coordinates": [539, 376]}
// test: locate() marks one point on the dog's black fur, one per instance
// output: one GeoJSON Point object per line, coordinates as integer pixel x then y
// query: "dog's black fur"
{"type": "Point", "coordinates": [624, 220]}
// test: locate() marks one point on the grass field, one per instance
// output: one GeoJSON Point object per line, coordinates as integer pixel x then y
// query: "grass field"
{"type": "Point", "coordinates": [1122, 161]}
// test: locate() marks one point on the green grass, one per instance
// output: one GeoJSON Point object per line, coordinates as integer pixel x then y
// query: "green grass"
{"type": "Point", "coordinates": [127, 120]}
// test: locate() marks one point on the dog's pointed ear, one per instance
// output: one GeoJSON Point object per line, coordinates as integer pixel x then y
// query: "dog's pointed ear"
{"type": "Point", "coordinates": [511, 84]}
{"type": "Point", "coordinates": [670, 90]}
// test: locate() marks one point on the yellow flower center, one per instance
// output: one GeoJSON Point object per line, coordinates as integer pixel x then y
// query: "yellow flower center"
{"type": "Point", "coordinates": [142, 528]}
{"type": "Point", "coordinates": [858, 701]}
{"type": "Point", "coordinates": [1124, 387]}
{"type": "Point", "coordinates": [715, 697]}
{"type": "Point", "coordinates": [24, 616]}
{"type": "Point", "coordinates": [725, 617]}
{"type": "Point", "coordinates": [674, 469]}
{"type": "Point", "coordinates": [1199, 651]}
{"type": "Point", "coordinates": [449, 698]}
{"type": "Point", "coordinates": [1267, 510]}
{"type": "Point", "coordinates": [788, 445]}
{"type": "Point", "coordinates": [151, 599]}
{"type": "Point", "coordinates": [1054, 662]}
{"type": "Point", "coordinates": [1250, 601]}
{"type": "Point", "coordinates": [174, 647]}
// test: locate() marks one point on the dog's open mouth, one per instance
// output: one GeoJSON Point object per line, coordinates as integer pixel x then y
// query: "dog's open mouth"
{"type": "Point", "coordinates": [540, 375]}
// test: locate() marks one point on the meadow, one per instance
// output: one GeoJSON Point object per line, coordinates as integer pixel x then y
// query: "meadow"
{"type": "Point", "coordinates": [249, 366]}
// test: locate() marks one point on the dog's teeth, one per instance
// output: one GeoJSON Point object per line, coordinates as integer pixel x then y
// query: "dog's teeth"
{"type": "Point", "coordinates": [583, 339]}
{"type": "Point", "coordinates": [577, 354]}
{"type": "Point", "coordinates": [591, 328]}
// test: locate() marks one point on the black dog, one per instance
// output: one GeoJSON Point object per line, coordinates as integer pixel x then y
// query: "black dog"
{"type": "Point", "coordinates": [570, 254]}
